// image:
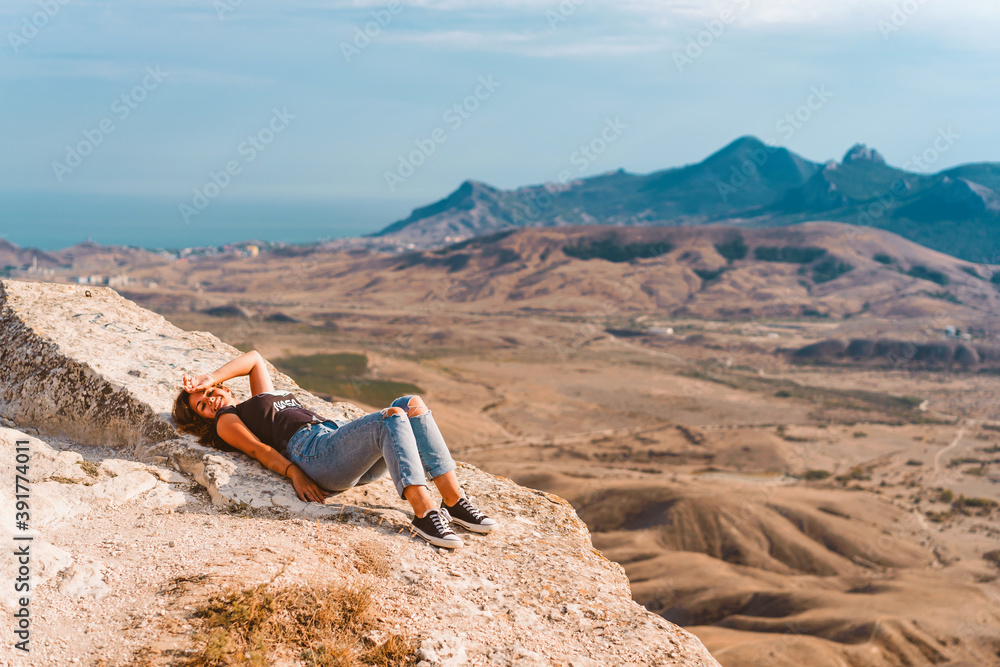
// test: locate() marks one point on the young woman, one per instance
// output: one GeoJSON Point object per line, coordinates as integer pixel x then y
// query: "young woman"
{"type": "Point", "coordinates": [320, 456]}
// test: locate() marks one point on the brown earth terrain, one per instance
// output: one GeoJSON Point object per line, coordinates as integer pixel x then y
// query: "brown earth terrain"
{"type": "Point", "coordinates": [786, 513]}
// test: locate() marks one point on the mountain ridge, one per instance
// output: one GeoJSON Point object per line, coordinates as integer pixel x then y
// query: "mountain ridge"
{"type": "Point", "coordinates": [746, 182]}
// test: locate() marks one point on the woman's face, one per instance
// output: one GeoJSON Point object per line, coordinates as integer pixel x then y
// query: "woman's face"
{"type": "Point", "coordinates": [206, 403]}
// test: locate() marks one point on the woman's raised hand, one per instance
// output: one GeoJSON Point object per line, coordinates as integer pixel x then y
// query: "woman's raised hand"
{"type": "Point", "coordinates": [191, 385]}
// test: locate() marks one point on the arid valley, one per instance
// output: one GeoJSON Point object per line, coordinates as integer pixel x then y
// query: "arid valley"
{"type": "Point", "coordinates": [789, 437]}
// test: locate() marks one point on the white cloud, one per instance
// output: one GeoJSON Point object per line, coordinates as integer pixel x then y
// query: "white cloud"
{"type": "Point", "coordinates": [536, 44]}
{"type": "Point", "coordinates": [824, 13]}
{"type": "Point", "coordinates": [777, 11]}
{"type": "Point", "coordinates": [638, 26]}
{"type": "Point", "coordinates": [457, 38]}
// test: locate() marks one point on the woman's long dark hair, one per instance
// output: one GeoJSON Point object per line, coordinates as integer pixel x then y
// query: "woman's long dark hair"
{"type": "Point", "coordinates": [189, 421]}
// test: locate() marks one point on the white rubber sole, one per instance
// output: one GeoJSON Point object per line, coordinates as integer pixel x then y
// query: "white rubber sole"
{"type": "Point", "coordinates": [437, 541]}
{"type": "Point", "coordinates": [474, 527]}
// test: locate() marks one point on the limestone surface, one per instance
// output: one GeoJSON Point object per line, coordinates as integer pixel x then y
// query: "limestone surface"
{"type": "Point", "coordinates": [122, 508]}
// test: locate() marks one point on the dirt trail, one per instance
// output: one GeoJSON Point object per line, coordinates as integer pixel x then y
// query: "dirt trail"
{"type": "Point", "coordinates": [951, 445]}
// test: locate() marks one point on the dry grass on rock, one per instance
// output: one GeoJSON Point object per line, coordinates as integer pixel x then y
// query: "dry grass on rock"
{"type": "Point", "coordinates": [320, 626]}
{"type": "Point", "coordinates": [372, 559]}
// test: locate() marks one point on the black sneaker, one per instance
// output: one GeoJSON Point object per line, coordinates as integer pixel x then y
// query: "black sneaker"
{"type": "Point", "coordinates": [434, 528]}
{"type": "Point", "coordinates": [468, 516]}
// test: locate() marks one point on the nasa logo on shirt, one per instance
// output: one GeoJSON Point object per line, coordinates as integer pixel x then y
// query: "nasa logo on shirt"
{"type": "Point", "coordinates": [281, 405]}
{"type": "Point", "coordinates": [290, 403]}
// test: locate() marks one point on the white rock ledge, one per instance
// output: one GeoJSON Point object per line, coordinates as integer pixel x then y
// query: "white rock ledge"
{"type": "Point", "coordinates": [100, 370]}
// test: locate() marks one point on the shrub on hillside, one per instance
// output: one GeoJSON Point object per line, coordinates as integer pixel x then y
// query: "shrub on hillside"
{"type": "Point", "coordinates": [830, 269]}
{"type": "Point", "coordinates": [505, 255]}
{"type": "Point", "coordinates": [855, 473]}
{"type": "Point", "coordinates": [975, 502]}
{"type": "Point", "coordinates": [943, 296]}
{"type": "Point", "coordinates": [708, 274]}
{"type": "Point", "coordinates": [733, 249]}
{"type": "Point", "coordinates": [612, 251]}
{"type": "Point", "coordinates": [971, 270]}
{"type": "Point", "coordinates": [923, 273]}
{"type": "Point", "coordinates": [788, 253]}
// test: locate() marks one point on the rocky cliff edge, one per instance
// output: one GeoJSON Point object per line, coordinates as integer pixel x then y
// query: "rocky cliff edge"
{"type": "Point", "coordinates": [132, 523]}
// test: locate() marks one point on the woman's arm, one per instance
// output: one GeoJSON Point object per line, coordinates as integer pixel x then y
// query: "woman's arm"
{"type": "Point", "coordinates": [232, 429]}
{"type": "Point", "coordinates": [250, 363]}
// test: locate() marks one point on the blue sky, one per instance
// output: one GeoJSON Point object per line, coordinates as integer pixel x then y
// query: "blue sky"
{"type": "Point", "coordinates": [203, 79]}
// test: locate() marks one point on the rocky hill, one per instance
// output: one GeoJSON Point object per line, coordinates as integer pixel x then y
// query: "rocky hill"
{"type": "Point", "coordinates": [13, 257]}
{"type": "Point", "coordinates": [887, 353]}
{"type": "Point", "coordinates": [820, 270]}
{"type": "Point", "coordinates": [956, 211]}
{"type": "Point", "coordinates": [80, 258]}
{"type": "Point", "coordinates": [125, 511]}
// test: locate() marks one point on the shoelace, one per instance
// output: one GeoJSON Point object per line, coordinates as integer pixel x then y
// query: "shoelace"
{"type": "Point", "coordinates": [471, 509]}
{"type": "Point", "coordinates": [440, 523]}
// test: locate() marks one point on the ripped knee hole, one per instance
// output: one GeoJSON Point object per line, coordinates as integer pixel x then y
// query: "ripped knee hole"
{"type": "Point", "coordinates": [416, 407]}
{"type": "Point", "coordinates": [391, 412]}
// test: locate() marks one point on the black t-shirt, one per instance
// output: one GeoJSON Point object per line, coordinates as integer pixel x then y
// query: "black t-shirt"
{"type": "Point", "coordinates": [272, 416]}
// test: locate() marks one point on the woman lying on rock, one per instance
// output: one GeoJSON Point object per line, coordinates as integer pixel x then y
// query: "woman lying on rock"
{"type": "Point", "coordinates": [321, 457]}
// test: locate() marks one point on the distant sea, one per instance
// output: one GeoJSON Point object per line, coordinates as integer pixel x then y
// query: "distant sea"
{"type": "Point", "coordinates": [52, 222]}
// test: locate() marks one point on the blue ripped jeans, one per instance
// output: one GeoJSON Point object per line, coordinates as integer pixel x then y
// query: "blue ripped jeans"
{"type": "Point", "coordinates": [363, 450]}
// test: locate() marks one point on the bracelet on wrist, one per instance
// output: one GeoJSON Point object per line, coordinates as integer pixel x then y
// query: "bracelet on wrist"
{"type": "Point", "coordinates": [286, 469]}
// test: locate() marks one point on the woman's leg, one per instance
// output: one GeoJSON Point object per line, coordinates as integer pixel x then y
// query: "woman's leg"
{"type": "Point", "coordinates": [434, 454]}
{"type": "Point", "coordinates": [340, 458]}
{"type": "Point", "coordinates": [440, 467]}
{"type": "Point", "coordinates": [376, 471]}
{"type": "Point", "coordinates": [447, 485]}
